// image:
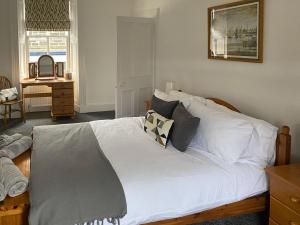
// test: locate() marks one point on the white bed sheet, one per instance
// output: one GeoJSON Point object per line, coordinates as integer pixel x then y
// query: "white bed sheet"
{"type": "Point", "coordinates": [165, 183]}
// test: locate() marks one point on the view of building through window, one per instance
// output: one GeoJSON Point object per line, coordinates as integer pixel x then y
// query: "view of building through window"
{"type": "Point", "coordinates": [54, 43]}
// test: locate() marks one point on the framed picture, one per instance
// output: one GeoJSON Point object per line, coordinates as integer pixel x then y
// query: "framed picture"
{"type": "Point", "coordinates": [235, 31]}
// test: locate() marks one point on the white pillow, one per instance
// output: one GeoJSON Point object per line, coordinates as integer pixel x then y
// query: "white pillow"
{"type": "Point", "coordinates": [200, 99]}
{"type": "Point", "coordinates": [163, 96]}
{"type": "Point", "coordinates": [220, 133]}
{"type": "Point", "coordinates": [173, 97]}
{"type": "Point", "coordinates": [262, 147]}
{"type": "Point", "coordinates": [183, 97]}
{"type": "Point", "coordinates": [8, 94]}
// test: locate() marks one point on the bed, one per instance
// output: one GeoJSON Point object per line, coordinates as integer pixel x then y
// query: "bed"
{"type": "Point", "coordinates": [180, 178]}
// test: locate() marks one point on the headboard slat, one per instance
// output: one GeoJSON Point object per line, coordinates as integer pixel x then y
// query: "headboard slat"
{"type": "Point", "coordinates": [283, 147]}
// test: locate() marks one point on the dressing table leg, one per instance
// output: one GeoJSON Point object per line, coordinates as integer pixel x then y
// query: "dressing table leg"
{"type": "Point", "coordinates": [21, 105]}
{"type": "Point", "coordinates": [24, 103]}
{"type": "Point", "coordinates": [9, 111]}
{"type": "Point", "coordinates": [4, 116]}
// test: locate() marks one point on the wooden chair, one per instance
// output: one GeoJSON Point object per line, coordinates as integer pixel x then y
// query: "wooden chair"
{"type": "Point", "coordinates": [5, 84]}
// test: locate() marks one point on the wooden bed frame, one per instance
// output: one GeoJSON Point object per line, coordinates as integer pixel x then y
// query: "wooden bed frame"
{"type": "Point", "coordinates": [15, 211]}
{"type": "Point", "coordinates": [251, 205]}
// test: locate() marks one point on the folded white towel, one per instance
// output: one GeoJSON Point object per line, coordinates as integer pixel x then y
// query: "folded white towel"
{"type": "Point", "coordinates": [16, 148]}
{"type": "Point", "coordinates": [3, 154]}
{"type": "Point", "coordinates": [6, 140]}
{"type": "Point", "coordinates": [3, 193]}
{"type": "Point", "coordinates": [15, 183]}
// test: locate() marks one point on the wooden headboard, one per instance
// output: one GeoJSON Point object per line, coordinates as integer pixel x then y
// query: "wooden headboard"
{"type": "Point", "coordinates": [283, 142]}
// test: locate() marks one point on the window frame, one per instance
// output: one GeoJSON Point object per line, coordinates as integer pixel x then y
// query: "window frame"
{"type": "Point", "coordinates": [67, 66]}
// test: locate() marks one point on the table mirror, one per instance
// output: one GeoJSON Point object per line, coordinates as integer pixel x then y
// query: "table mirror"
{"type": "Point", "coordinates": [32, 70]}
{"type": "Point", "coordinates": [46, 66]}
{"type": "Point", "coordinates": [59, 69]}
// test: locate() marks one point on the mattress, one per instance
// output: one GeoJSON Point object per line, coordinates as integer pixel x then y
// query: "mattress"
{"type": "Point", "coordinates": [166, 183]}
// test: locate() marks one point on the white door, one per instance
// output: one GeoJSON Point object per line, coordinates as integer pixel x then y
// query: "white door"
{"type": "Point", "coordinates": [135, 70]}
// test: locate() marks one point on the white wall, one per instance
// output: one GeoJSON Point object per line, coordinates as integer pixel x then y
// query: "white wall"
{"type": "Point", "coordinates": [269, 91]}
{"type": "Point", "coordinates": [5, 43]}
{"type": "Point", "coordinates": [97, 38]}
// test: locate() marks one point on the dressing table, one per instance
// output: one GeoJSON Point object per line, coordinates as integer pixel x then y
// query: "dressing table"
{"type": "Point", "coordinates": [62, 95]}
{"type": "Point", "coordinates": [51, 75]}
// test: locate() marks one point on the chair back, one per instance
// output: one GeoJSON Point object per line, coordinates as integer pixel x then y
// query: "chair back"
{"type": "Point", "coordinates": [4, 83]}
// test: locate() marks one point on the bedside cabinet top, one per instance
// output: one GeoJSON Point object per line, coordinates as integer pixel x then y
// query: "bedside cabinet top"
{"type": "Point", "coordinates": [289, 173]}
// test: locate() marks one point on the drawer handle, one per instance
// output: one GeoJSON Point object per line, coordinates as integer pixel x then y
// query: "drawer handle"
{"type": "Point", "coordinates": [294, 200]}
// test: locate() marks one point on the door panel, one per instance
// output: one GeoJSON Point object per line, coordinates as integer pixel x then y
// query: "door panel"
{"type": "Point", "coordinates": [127, 102]}
{"type": "Point", "coordinates": [135, 72]}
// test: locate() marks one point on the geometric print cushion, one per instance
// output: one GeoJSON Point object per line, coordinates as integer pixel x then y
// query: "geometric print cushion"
{"type": "Point", "coordinates": [158, 127]}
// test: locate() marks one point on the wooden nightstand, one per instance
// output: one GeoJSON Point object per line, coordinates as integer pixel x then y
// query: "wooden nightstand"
{"type": "Point", "coordinates": [284, 195]}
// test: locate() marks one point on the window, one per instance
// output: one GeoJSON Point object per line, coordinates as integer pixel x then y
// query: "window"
{"type": "Point", "coordinates": [54, 43]}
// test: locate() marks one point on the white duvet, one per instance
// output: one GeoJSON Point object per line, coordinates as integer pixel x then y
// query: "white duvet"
{"type": "Point", "coordinates": [165, 183]}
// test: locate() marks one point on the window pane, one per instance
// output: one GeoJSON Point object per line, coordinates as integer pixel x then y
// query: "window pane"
{"type": "Point", "coordinates": [47, 33]}
{"type": "Point", "coordinates": [54, 43]}
{"type": "Point", "coordinates": [36, 33]}
{"type": "Point", "coordinates": [58, 48]}
{"type": "Point", "coordinates": [59, 33]}
{"type": "Point", "coordinates": [38, 46]}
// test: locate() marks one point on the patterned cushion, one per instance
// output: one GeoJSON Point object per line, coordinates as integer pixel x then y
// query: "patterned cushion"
{"type": "Point", "coordinates": [158, 127]}
{"type": "Point", "coordinates": [8, 94]}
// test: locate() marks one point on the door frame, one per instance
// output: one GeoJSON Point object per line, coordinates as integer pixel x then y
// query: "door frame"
{"type": "Point", "coordinates": [153, 21]}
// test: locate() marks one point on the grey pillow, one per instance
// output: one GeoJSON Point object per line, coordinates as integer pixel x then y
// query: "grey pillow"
{"type": "Point", "coordinates": [184, 129]}
{"type": "Point", "coordinates": [162, 107]}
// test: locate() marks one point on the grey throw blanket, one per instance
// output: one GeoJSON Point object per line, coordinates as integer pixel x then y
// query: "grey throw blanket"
{"type": "Point", "coordinates": [72, 182]}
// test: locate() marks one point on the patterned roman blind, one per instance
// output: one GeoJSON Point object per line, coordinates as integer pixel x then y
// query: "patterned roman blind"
{"type": "Point", "coordinates": [47, 15]}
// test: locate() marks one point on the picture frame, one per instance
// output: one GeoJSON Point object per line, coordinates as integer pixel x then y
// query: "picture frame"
{"type": "Point", "coordinates": [236, 31]}
{"type": "Point", "coordinates": [32, 69]}
{"type": "Point", "coordinates": [60, 69]}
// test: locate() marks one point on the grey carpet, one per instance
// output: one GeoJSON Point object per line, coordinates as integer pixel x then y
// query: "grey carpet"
{"type": "Point", "coordinates": [43, 118]}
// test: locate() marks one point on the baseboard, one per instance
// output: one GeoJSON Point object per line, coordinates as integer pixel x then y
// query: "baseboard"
{"type": "Point", "coordinates": [77, 108]}
{"type": "Point", "coordinates": [96, 108]}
